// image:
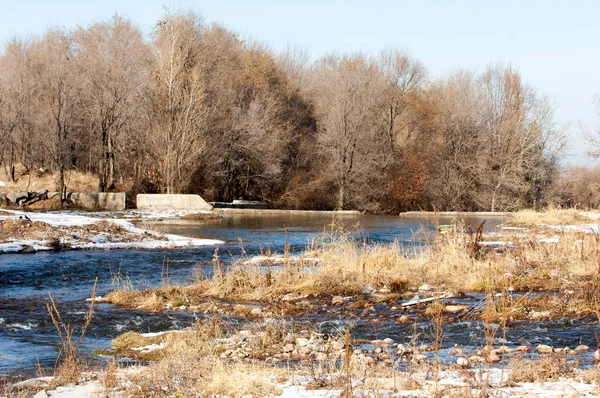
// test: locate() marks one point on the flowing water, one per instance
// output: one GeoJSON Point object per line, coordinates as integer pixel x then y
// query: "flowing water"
{"type": "Point", "coordinates": [28, 339]}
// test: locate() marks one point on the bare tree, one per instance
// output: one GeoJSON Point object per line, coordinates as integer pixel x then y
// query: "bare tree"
{"type": "Point", "coordinates": [111, 66]}
{"type": "Point", "coordinates": [178, 113]}
{"type": "Point", "coordinates": [58, 99]}
{"type": "Point", "coordinates": [347, 93]}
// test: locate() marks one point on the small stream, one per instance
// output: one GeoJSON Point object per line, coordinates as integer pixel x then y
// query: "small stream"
{"type": "Point", "coordinates": [28, 339]}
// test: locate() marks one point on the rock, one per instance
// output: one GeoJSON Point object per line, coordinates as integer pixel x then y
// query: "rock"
{"type": "Point", "coordinates": [226, 354]}
{"type": "Point", "coordinates": [419, 358]}
{"type": "Point", "coordinates": [425, 288]}
{"type": "Point", "coordinates": [544, 349]}
{"type": "Point", "coordinates": [288, 348]}
{"type": "Point", "coordinates": [28, 249]}
{"type": "Point", "coordinates": [457, 351]}
{"type": "Point", "coordinates": [493, 358]}
{"type": "Point", "coordinates": [182, 307]}
{"type": "Point", "coordinates": [402, 349]}
{"type": "Point", "coordinates": [597, 355]}
{"type": "Point", "coordinates": [455, 309]}
{"type": "Point", "coordinates": [256, 311]}
{"type": "Point", "coordinates": [338, 346]}
{"type": "Point", "coordinates": [16, 197]}
{"type": "Point", "coordinates": [388, 341]}
{"type": "Point", "coordinates": [3, 197]}
{"type": "Point", "coordinates": [522, 348]}
{"type": "Point", "coordinates": [463, 362]}
{"type": "Point", "coordinates": [403, 319]}
{"type": "Point", "coordinates": [337, 300]}
{"type": "Point", "coordinates": [304, 351]}
{"type": "Point", "coordinates": [38, 381]}
{"type": "Point", "coordinates": [385, 290]}
{"type": "Point", "coordinates": [476, 359]}
{"type": "Point", "coordinates": [41, 394]}
{"type": "Point", "coordinates": [540, 315]}
{"type": "Point", "coordinates": [368, 289]}
{"type": "Point", "coordinates": [301, 342]}
{"type": "Point", "coordinates": [321, 356]}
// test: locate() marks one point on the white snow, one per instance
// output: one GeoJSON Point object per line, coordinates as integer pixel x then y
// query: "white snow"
{"type": "Point", "coordinates": [551, 239]}
{"type": "Point", "coordinates": [279, 259]}
{"type": "Point", "coordinates": [151, 347]}
{"type": "Point", "coordinates": [154, 334]}
{"type": "Point", "coordinates": [87, 390]}
{"type": "Point", "coordinates": [70, 219]}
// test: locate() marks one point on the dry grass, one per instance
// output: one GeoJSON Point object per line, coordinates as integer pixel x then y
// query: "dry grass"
{"type": "Point", "coordinates": [542, 369]}
{"type": "Point", "coordinates": [190, 366]}
{"type": "Point", "coordinates": [346, 267]}
{"type": "Point", "coordinates": [550, 216]}
{"type": "Point", "coordinates": [75, 181]}
{"type": "Point", "coordinates": [71, 364]}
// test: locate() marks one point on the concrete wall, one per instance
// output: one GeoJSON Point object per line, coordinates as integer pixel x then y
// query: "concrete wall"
{"type": "Point", "coordinates": [98, 200]}
{"type": "Point", "coordinates": [171, 202]}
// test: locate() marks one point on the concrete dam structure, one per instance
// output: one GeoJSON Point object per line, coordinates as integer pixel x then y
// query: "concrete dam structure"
{"type": "Point", "coordinates": [172, 202]}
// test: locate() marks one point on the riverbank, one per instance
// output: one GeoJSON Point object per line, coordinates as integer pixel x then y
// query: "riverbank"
{"type": "Point", "coordinates": [276, 360]}
{"type": "Point", "coordinates": [29, 232]}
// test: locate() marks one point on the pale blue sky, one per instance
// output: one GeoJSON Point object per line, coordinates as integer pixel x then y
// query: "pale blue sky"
{"type": "Point", "coordinates": [553, 43]}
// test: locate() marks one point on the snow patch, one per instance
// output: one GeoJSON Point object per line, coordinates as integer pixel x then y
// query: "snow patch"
{"type": "Point", "coordinates": [149, 348]}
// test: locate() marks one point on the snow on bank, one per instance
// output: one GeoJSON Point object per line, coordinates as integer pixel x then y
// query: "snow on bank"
{"type": "Point", "coordinates": [279, 259]}
{"type": "Point", "coordinates": [137, 238]}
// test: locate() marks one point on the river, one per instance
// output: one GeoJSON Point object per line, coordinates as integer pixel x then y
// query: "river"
{"type": "Point", "coordinates": [28, 340]}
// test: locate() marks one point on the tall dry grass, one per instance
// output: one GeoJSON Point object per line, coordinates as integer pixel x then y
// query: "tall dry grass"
{"type": "Point", "coordinates": [347, 266]}
{"type": "Point", "coordinates": [550, 216]}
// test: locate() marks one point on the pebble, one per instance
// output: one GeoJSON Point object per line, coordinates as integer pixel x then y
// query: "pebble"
{"type": "Point", "coordinates": [540, 315]}
{"type": "Point", "coordinates": [544, 349]}
{"type": "Point", "coordinates": [419, 358]}
{"type": "Point", "coordinates": [455, 309]}
{"type": "Point", "coordinates": [597, 355]}
{"type": "Point", "coordinates": [403, 319]}
{"type": "Point", "coordinates": [41, 394]}
{"type": "Point", "coordinates": [338, 345]}
{"type": "Point", "coordinates": [288, 348]}
{"type": "Point", "coordinates": [463, 362]}
{"type": "Point", "coordinates": [302, 342]}
{"type": "Point", "coordinates": [337, 300]}
{"type": "Point", "coordinates": [493, 357]}
{"type": "Point", "coordinates": [304, 351]}
{"type": "Point", "coordinates": [388, 341]}
{"type": "Point", "coordinates": [522, 348]}
{"type": "Point", "coordinates": [582, 348]}
{"type": "Point", "coordinates": [425, 288]}
{"type": "Point", "coordinates": [256, 311]}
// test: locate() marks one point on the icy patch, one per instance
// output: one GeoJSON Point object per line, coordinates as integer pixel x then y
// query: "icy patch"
{"type": "Point", "coordinates": [161, 333]}
{"type": "Point", "coordinates": [149, 348]}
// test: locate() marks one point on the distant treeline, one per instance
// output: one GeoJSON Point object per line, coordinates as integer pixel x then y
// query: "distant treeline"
{"type": "Point", "coordinates": [195, 109]}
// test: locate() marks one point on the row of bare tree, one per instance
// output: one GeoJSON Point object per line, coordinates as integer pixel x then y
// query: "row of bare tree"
{"type": "Point", "coordinates": [196, 109]}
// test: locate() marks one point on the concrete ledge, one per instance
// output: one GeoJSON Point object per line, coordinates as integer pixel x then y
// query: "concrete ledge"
{"type": "Point", "coordinates": [278, 211]}
{"type": "Point", "coordinates": [455, 214]}
{"type": "Point", "coordinates": [98, 200]}
{"type": "Point", "coordinates": [171, 202]}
